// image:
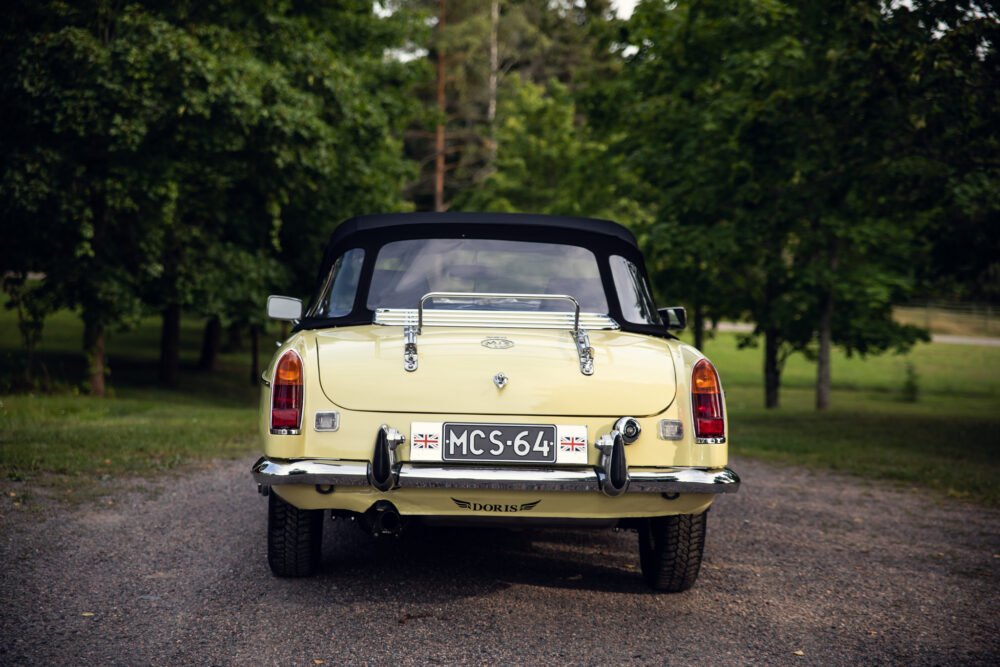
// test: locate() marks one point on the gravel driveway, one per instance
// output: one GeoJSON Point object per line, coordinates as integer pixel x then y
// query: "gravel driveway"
{"type": "Point", "coordinates": [801, 568]}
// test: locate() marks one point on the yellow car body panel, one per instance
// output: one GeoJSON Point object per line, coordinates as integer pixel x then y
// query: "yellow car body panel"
{"type": "Point", "coordinates": [495, 504]}
{"type": "Point", "coordinates": [361, 369]}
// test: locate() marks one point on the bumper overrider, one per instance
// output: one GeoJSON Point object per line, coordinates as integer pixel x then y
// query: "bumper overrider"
{"type": "Point", "coordinates": [612, 476]}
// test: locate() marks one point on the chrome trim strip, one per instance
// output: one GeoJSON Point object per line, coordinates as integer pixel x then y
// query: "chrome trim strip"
{"type": "Point", "coordinates": [495, 296]}
{"type": "Point", "coordinates": [499, 479]}
{"type": "Point", "coordinates": [641, 480]}
{"type": "Point", "coordinates": [339, 473]}
{"type": "Point", "coordinates": [509, 319]}
{"type": "Point", "coordinates": [431, 476]}
{"type": "Point", "coordinates": [684, 480]}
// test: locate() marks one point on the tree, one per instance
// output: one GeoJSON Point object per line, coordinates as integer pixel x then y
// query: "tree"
{"type": "Point", "coordinates": [696, 93]}
{"type": "Point", "coordinates": [777, 135]}
{"type": "Point", "coordinates": [142, 141]}
{"type": "Point", "coordinates": [71, 175]}
{"type": "Point", "coordinates": [549, 163]}
{"type": "Point", "coordinates": [477, 49]}
{"type": "Point", "coordinates": [955, 116]}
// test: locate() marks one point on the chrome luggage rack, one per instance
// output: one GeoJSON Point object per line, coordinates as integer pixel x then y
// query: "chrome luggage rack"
{"type": "Point", "coordinates": [413, 320]}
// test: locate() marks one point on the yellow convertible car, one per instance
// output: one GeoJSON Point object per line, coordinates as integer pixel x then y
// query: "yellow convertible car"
{"type": "Point", "coordinates": [483, 368]}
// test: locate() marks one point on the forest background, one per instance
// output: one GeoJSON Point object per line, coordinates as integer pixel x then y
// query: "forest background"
{"type": "Point", "coordinates": [805, 168]}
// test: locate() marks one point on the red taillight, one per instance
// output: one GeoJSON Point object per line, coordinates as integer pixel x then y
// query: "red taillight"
{"type": "Point", "coordinates": [706, 397]}
{"type": "Point", "coordinates": [286, 393]}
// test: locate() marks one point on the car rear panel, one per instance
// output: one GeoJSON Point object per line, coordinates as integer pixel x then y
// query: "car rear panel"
{"type": "Point", "coordinates": [361, 369]}
{"type": "Point", "coordinates": [354, 438]}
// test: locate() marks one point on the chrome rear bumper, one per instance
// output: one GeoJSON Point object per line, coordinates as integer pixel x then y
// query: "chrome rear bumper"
{"type": "Point", "coordinates": [322, 472]}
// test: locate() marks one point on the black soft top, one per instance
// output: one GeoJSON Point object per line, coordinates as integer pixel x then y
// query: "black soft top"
{"type": "Point", "coordinates": [555, 227]}
{"type": "Point", "coordinates": [371, 232]}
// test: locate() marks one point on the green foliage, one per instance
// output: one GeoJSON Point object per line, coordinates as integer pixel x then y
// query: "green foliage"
{"type": "Point", "coordinates": [956, 120]}
{"type": "Point", "coordinates": [537, 41]}
{"type": "Point", "coordinates": [779, 160]}
{"type": "Point", "coordinates": [570, 171]}
{"type": "Point", "coordinates": [788, 146]}
{"type": "Point", "coordinates": [176, 154]}
{"type": "Point", "coordinates": [30, 310]}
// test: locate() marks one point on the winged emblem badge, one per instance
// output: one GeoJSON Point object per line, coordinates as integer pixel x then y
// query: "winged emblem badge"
{"type": "Point", "coordinates": [495, 507]}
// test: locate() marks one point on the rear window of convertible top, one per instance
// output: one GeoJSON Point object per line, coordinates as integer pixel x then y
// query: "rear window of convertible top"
{"type": "Point", "coordinates": [407, 270]}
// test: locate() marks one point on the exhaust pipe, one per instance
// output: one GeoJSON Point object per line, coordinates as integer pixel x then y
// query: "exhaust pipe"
{"type": "Point", "coordinates": [383, 518]}
{"type": "Point", "coordinates": [612, 472]}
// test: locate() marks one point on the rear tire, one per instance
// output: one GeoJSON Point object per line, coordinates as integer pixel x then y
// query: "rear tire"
{"type": "Point", "coordinates": [294, 538]}
{"type": "Point", "coordinates": [670, 550]}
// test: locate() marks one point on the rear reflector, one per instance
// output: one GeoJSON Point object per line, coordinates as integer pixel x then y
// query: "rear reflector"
{"type": "Point", "coordinates": [706, 399]}
{"type": "Point", "coordinates": [286, 395]}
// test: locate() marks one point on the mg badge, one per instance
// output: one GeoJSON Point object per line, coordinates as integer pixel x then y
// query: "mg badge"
{"type": "Point", "coordinates": [500, 380]}
{"type": "Point", "coordinates": [497, 343]}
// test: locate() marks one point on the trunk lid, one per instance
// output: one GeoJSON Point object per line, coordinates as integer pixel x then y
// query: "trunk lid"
{"type": "Point", "coordinates": [361, 368]}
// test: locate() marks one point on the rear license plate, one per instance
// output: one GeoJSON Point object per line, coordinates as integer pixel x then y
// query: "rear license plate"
{"type": "Point", "coordinates": [506, 443]}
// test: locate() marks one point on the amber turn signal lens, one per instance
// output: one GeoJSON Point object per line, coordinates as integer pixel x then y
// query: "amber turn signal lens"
{"type": "Point", "coordinates": [704, 379]}
{"type": "Point", "coordinates": [289, 369]}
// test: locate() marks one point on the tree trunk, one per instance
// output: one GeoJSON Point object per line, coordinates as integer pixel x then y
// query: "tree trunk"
{"type": "Point", "coordinates": [210, 343]}
{"type": "Point", "coordinates": [234, 338]}
{"type": "Point", "coordinates": [170, 345]}
{"type": "Point", "coordinates": [442, 109]}
{"type": "Point", "coordinates": [699, 326]}
{"type": "Point", "coordinates": [93, 347]}
{"type": "Point", "coordinates": [772, 367]}
{"type": "Point", "coordinates": [93, 330]}
{"type": "Point", "coordinates": [826, 334]}
{"type": "Point", "coordinates": [254, 355]}
{"type": "Point", "coordinates": [29, 367]}
{"type": "Point", "coordinates": [823, 359]}
{"type": "Point", "coordinates": [491, 109]}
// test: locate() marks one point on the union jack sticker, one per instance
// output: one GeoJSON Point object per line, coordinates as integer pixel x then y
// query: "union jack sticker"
{"type": "Point", "coordinates": [426, 441]}
{"type": "Point", "coordinates": [572, 443]}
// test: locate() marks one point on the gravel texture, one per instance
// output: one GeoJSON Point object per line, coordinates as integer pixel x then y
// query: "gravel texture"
{"type": "Point", "coordinates": [801, 568]}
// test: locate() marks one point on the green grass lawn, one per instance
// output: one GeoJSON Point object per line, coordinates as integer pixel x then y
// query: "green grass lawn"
{"type": "Point", "coordinates": [948, 440]}
{"type": "Point", "coordinates": [73, 443]}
